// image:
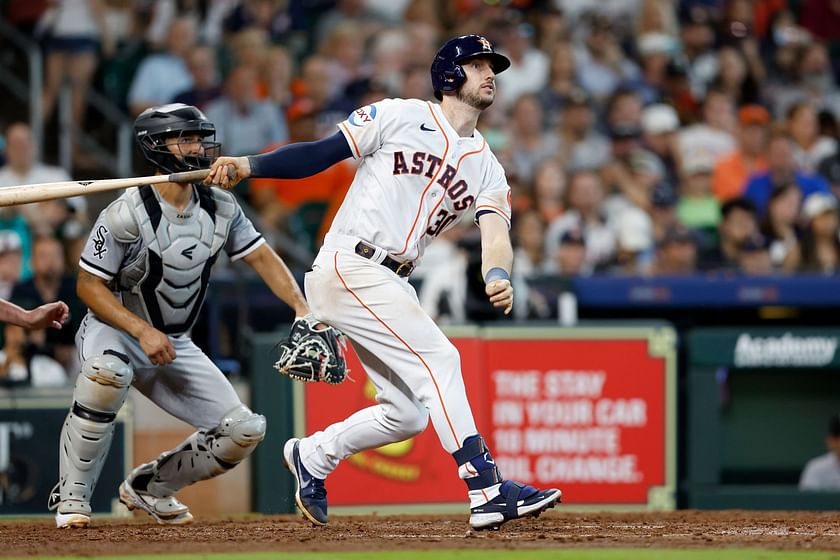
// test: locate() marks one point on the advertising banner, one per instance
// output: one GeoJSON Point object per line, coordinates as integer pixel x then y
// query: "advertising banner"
{"type": "Point", "coordinates": [589, 411]}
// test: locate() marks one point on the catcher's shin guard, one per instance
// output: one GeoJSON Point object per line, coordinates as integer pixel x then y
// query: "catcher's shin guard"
{"type": "Point", "coordinates": [204, 455]}
{"type": "Point", "coordinates": [86, 435]}
{"type": "Point", "coordinates": [494, 500]}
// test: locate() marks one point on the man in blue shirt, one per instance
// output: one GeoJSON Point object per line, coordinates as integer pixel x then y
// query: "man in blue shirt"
{"type": "Point", "coordinates": [781, 169]}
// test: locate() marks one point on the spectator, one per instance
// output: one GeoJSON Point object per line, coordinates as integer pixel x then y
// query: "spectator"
{"type": "Point", "coordinates": [698, 208]}
{"type": "Point", "coordinates": [11, 262]}
{"type": "Point", "coordinates": [201, 62]}
{"type": "Point", "coordinates": [277, 70]}
{"type": "Point", "coordinates": [697, 32]}
{"type": "Point", "coordinates": [581, 146]}
{"type": "Point", "coordinates": [562, 82]}
{"type": "Point", "coordinates": [733, 170]}
{"type": "Point", "coordinates": [676, 254]}
{"type": "Point", "coordinates": [584, 213]}
{"type": "Point", "coordinates": [713, 134]}
{"type": "Point", "coordinates": [632, 173]}
{"type": "Point", "coordinates": [735, 78]}
{"type": "Point", "coordinates": [344, 47]}
{"type": "Point", "coordinates": [663, 210]}
{"type": "Point", "coordinates": [814, 81]}
{"type": "Point", "coordinates": [570, 255]}
{"type": "Point", "coordinates": [809, 147]}
{"type": "Point", "coordinates": [41, 217]}
{"type": "Point", "coordinates": [549, 189]}
{"type": "Point", "coordinates": [660, 124]}
{"type": "Point", "coordinates": [72, 34]}
{"type": "Point", "coordinates": [655, 50]}
{"type": "Point", "coordinates": [245, 125]}
{"type": "Point", "coordinates": [829, 169]}
{"type": "Point", "coordinates": [822, 473]}
{"type": "Point", "coordinates": [780, 227]}
{"type": "Point", "coordinates": [754, 257]}
{"type": "Point", "coordinates": [22, 364]}
{"type": "Point", "coordinates": [739, 222]}
{"type": "Point", "coordinates": [623, 109]}
{"type": "Point", "coordinates": [781, 169]}
{"type": "Point", "coordinates": [49, 283]}
{"type": "Point", "coordinates": [820, 241]}
{"type": "Point", "coordinates": [249, 47]}
{"type": "Point", "coordinates": [530, 143]}
{"type": "Point", "coordinates": [529, 240]}
{"type": "Point", "coordinates": [601, 64]}
{"type": "Point", "coordinates": [529, 66]}
{"type": "Point", "coordinates": [162, 76]}
{"type": "Point", "coordinates": [634, 243]}
{"type": "Point", "coordinates": [207, 19]}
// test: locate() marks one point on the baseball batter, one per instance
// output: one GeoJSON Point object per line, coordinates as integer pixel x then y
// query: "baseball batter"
{"type": "Point", "coordinates": [144, 274]}
{"type": "Point", "coordinates": [423, 166]}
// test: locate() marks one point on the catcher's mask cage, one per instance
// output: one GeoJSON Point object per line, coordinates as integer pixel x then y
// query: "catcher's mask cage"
{"type": "Point", "coordinates": [175, 124]}
{"type": "Point", "coordinates": [447, 73]}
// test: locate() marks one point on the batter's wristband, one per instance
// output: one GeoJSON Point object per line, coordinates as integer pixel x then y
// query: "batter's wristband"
{"type": "Point", "coordinates": [496, 273]}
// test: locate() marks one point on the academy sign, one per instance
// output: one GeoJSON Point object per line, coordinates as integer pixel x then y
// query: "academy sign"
{"type": "Point", "coordinates": [784, 350]}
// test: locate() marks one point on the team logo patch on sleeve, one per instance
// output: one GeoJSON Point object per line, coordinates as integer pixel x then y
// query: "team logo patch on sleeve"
{"type": "Point", "coordinates": [99, 248]}
{"type": "Point", "coordinates": [362, 116]}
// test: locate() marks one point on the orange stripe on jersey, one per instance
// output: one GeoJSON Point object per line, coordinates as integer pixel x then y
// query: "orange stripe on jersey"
{"type": "Point", "coordinates": [353, 140]}
{"type": "Point", "coordinates": [423, 196]}
{"type": "Point", "coordinates": [404, 343]}
{"type": "Point", "coordinates": [493, 208]}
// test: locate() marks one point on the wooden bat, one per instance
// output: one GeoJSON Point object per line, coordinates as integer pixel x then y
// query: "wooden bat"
{"type": "Point", "coordinates": [40, 192]}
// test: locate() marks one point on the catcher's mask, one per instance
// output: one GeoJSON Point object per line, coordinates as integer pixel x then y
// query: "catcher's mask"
{"type": "Point", "coordinates": [174, 123]}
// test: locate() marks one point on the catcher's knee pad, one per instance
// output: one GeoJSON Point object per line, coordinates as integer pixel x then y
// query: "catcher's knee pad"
{"type": "Point", "coordinates": [204, 455]}
{"type": "Point", "coordinates": [100, 391]}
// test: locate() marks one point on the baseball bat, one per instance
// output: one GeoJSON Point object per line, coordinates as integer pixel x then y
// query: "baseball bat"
{"type": "Point", "coordinates": [41, 192]}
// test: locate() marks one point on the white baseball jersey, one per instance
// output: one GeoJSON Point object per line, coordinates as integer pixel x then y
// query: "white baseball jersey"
{"type": "Point", "coordinates": [417, 177]}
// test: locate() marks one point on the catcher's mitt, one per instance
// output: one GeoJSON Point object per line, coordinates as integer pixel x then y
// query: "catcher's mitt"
{"type": "Point", "coordinates": [311, 354]}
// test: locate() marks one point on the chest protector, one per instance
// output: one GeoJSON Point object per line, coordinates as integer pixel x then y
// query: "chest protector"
{"type": "Point", "coordinates": [166, 282]}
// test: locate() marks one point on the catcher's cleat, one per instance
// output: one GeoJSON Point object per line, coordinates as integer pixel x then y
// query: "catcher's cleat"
{"type": "Point", "coordinates": [72, 520]}
{"type": "Point", "coordinates": [70, 514]}
{"type": "Point", "coordinates": [166, 510]}
{"type": "Point", "coordinates": [310, 493]}
{"type": "Point", "coordinates": [515, 500]}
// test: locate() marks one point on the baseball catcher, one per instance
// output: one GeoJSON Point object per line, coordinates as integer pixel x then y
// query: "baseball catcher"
{"type": "Point", "coordinates": [313, 352]}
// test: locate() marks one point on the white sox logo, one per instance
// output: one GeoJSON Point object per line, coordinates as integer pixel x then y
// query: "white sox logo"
{"type": "Point", "coordinates": [99, 248]}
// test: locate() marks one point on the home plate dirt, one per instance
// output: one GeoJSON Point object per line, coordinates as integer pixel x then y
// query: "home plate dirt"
{"type": "Point", "coordinates": [555, 529]}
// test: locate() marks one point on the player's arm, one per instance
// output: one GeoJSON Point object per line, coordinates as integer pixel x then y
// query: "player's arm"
{"type": "Point", "coordinates": [276, 275]}
{"type": "Point", "coordinates": [97, 296]}
{"type": "Point", "coordinates": [496, 260]}
{"type": "Point", "coordinates": [293, 161]}
{"type": "Point", "coordinates": [47, 315]}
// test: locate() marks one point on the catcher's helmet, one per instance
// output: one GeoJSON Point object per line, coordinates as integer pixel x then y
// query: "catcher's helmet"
{"type": "Point", "coordinates": [157, 124]}
{"type": "Point", "coordinates": [447, 74]}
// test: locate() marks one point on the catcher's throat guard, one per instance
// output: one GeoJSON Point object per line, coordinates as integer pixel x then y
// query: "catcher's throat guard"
{"type": "Point", "coordinates": [312, 354]}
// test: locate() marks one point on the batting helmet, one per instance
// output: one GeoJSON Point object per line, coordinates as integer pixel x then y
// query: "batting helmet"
{"type": "Point", "coordinates": [447, 74]}
{"type": "Point", "coordinates": [156, 125]}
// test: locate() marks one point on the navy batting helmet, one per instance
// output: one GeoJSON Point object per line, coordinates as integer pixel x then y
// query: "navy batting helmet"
{"type": "Point", "coordinates": [156, 125]}
{"type": "Point", "coordinates": [447, 74]}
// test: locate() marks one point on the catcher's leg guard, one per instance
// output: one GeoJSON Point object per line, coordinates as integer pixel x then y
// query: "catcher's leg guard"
{"type": "Point", "coordinates": [86, 436]}
{"type": "Point", "coordinates": [151, 486]}
{"type": "Point", "coordinates": [494, 500]}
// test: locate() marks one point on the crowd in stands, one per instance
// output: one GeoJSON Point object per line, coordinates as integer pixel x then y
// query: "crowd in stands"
{"type": "Point", "coordinates": [639, 137]}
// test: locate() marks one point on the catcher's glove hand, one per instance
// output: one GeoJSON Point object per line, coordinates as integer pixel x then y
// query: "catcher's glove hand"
{"type": "Point", "coordinates": [313, 354]}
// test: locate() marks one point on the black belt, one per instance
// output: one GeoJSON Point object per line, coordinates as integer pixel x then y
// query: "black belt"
{"type": "Point", "coordinates": [403, 269]}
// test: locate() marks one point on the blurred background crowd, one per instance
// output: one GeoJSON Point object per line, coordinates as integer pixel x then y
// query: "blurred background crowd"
{"type": "Point", "coordinates": [639, 137]}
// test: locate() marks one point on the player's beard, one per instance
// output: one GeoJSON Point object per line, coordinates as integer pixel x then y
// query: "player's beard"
{"type": "Point", "coordinates": [473, 99]}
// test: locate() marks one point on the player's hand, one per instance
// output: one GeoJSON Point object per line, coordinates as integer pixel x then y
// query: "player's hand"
{"type": "Point", "coordinates": [48, 315]}
{"type": "Point", "coordinates": [500, 293]}
{"type": "Point", "coordinates": [226, 172]}
{"type": "Point", "coordinates": [157, 346]}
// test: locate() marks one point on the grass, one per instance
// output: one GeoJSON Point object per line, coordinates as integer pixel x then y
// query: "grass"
{"type": "Point", "coordinates": [541, 554]}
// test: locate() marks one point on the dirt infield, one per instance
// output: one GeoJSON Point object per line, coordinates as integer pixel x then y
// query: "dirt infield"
{"type": "Point", "coordinates": [556, 529]}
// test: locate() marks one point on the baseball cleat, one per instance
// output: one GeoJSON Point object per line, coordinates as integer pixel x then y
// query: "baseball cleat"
{"type": "Point", "coordinates": [72, 520]}
{"type": "Point", "coordinates": [515, 500]}
{"type": "Point", "coordinates": [310, 493]}
{"type": "Point", "coordinates": [167, 510]}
